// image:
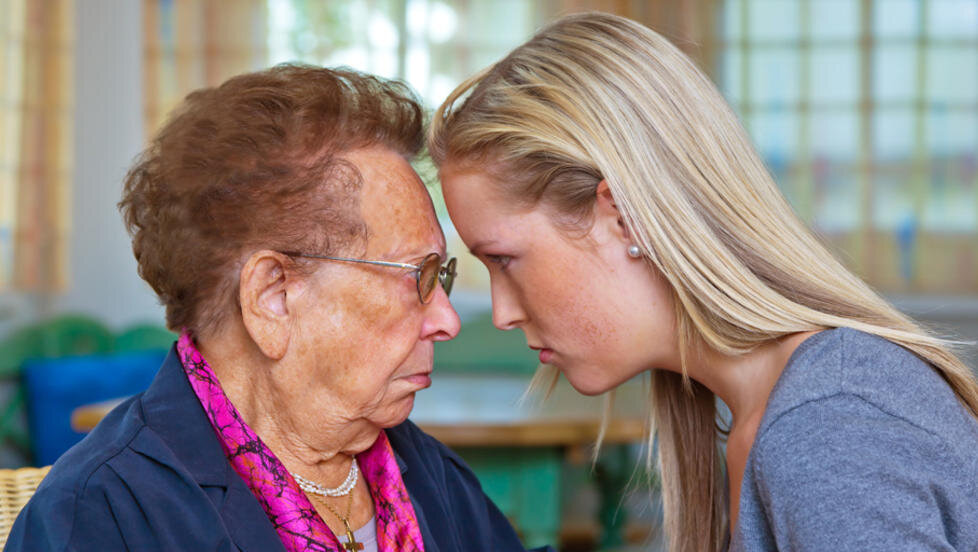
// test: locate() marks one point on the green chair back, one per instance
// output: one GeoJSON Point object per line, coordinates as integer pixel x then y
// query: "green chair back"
{"type": "Point", "coordinates": [74, 335]}
{"type": "Point", "coordinates": [144, 337]}
{"type": "Point", "coordinates": [62, 336]}
{"type": "Point", "coordinates": [481, 347]}
{"type": "Point", "coordinates": [17, 347]}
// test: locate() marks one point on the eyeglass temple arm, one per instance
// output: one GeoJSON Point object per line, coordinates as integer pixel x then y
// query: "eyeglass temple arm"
{"type": "Point", "coordinates": [349, 260]}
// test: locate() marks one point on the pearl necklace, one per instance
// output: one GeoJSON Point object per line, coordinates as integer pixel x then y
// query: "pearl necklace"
{"type": "Point", "coordinates": [317, 489]}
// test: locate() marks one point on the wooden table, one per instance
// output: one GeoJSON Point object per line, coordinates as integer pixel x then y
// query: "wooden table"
{"type": "Point", "coordinates": [529, 432]}
{"type": "Point", "coordinates": [518, 450]}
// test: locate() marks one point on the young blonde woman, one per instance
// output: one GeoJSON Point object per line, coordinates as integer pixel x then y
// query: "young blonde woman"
{"type": "Point", "coordinates": [629, 226]}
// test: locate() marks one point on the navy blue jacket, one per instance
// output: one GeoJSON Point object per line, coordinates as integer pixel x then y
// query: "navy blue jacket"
{"type": "Point", "coordinates": [153, 476]}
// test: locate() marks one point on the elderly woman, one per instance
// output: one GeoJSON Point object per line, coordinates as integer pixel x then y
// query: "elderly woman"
{"type": "Point", "coordinates": [299, 255]}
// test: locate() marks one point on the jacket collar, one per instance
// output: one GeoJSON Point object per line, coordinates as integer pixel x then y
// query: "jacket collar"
{"type": "Point", "coordinates": [172, 410]}
{"type": "Point", "coordinates": [189, 444]}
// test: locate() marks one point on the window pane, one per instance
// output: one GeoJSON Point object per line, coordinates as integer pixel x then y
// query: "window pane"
{"type": "Point", "coordinates": [776, 135]}
{"type": "Point", "coordinates": [835, 75]}
{"type": "Point", "coordinates": [499, 22]}
{"type": "Point", "coordinates": [835, 135]}
{"type": "Point", "coordinates": [835, 19]}
{"type": "Point", "coordinates": [951, 202]}
{"type": "Point", "coordinates": [952, 140]}
{"type": "Point", "coordinates": [837, 198]}
{"type": "Point", "coordinates": [435, 21]}
{"type": "Point", "coordinates": [383, 38]}
{"type": "Point", "coordinates": [731, 20]}
{"type": "Point", "coordinates": [893, 134]}
{"type": "Point", "coordinates": [896, 18]}
{"type": "Point", "coordinates": [774, 76]}
{"type": "Point", "coordinates": [730, 75]}
{"type": "Point", "coordinates": [953, 18]}
{"type": "Point", "coordinates": [895, 73]}
{"type": "Point", "coordinates": [773, 19]}
{"type": "Point", "coordinates": [893, 203]}
{"type": "Point", "coordinates": [952, 74]}
{"type": "Point", "coordinates": [952, 132]}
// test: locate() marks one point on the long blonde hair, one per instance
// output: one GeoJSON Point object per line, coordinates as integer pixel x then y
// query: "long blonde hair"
{"type": "Point", "coordinates": [595, 96]}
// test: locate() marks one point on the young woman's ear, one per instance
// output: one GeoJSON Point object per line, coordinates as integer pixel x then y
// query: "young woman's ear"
{"type": "Point", "coordinates": [606, 213]}
{"type": "Point", "coordinates": [263, 293]}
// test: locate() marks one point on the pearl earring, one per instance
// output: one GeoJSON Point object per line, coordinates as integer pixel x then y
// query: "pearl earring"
{"type": "Point", "coordinates": [634, 252]}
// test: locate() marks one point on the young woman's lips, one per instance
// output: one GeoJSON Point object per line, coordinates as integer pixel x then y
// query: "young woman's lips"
{"type": "Point", "coordinates": [546, 355]}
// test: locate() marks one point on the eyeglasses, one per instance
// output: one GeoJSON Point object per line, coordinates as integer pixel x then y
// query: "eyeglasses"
{"type": "Point", "coordinates": [426, 274]}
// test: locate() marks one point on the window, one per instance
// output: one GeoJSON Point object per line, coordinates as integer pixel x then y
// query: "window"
{"type": "Point", "coordinates": [866, 112]}
{"type": "Point", "coordinates": [432, 45]}
{"type": "Point", "coordinates": [36, 120]}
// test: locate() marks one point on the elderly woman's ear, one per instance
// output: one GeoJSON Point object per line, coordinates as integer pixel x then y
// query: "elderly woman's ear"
{"type": "Point", "coordinates": [265, 307]}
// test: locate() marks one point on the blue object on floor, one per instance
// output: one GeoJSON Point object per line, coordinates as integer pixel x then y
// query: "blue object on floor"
{"type": "Point", "coordinates": [57, 386]}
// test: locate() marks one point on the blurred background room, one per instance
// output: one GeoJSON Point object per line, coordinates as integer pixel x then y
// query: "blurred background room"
{"type": "Point", "coordinates": [866, 112]}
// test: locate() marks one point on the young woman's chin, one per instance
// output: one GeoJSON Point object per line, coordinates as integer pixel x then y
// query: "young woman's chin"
{"type": "Point", "coordinates": [591, 380]}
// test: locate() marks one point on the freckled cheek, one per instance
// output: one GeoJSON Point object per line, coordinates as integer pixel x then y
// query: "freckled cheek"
{"type": "Point", "coordinates": [360, 326]}
{"type": "Point", "coordinates": [562, 303]}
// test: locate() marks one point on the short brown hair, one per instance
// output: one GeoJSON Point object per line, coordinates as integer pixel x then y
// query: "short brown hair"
{"type": "Point", "coordinates": [251, 164]}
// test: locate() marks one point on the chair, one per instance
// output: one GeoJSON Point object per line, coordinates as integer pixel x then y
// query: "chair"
{"type": "Point", "coordinates": [144, 337]}
{"type": "Point", "coordinates": [55, 387]}
{"type": "Point", "coordinates": [482, 348]}
{"type": "Point", "coordinates": [74, 335]}
{"type": "Point", "coordinates": [65, 335]}
{"type": "Point", "coordinates": [23, 344]}
{"type": "Point", "coordinates": [16, 488]}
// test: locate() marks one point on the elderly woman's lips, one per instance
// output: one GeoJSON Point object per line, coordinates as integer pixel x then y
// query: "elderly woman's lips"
{"type": "Point", "coordinates": [546, 355]}
{"type": "Point", "coordinates": [421, 380]}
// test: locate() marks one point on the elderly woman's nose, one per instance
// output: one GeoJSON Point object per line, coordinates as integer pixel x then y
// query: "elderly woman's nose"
{"type": "Point", "coordinates": [441, 320]}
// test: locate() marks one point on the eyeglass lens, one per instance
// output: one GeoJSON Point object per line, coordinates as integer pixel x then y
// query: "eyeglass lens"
{"type": "Point", "coordinates": [448, 279]}
{"type": "Point", "coordinates": [431, 274]}
{"type": "Point", "coordinates": [428, 276]}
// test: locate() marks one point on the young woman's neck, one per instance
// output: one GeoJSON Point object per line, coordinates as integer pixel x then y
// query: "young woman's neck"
{"type": "Point", "coordinates": [744, 382]}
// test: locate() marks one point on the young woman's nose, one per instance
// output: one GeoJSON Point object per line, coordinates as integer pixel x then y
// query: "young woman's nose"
{"type": "Point", "coordinates": [507, 313]}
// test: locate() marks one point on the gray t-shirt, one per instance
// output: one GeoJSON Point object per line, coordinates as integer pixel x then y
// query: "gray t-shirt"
{"type": "Point", "coordinates": [863, 446]}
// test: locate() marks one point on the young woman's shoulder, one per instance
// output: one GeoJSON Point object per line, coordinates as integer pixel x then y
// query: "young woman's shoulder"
{"type": "Point", "coordinates": [843, 368]}
{"type": "Point", "coordinates": [863, 443]}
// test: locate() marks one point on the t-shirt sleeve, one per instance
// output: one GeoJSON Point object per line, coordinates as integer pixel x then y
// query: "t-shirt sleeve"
{"type": "Point", "coordinates": [841, 474]}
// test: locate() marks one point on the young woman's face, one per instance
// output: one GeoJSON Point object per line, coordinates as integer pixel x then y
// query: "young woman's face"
{"type": "Point", "coordinates": [592, 311]}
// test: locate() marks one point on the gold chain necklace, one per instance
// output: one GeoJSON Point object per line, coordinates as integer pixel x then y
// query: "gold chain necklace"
{"type": "Point", "coordinates": [351, 544]}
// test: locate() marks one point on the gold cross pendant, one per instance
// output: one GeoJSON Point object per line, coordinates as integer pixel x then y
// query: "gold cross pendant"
{"type": "Point", "coordinates": [352, 545]}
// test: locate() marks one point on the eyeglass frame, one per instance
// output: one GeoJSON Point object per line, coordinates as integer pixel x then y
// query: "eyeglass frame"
{"type": "Point", "coordinates": [446, 272]}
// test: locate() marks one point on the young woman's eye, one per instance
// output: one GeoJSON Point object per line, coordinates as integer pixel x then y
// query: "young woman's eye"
{"type": "Point", "coordinates": [500, 260]}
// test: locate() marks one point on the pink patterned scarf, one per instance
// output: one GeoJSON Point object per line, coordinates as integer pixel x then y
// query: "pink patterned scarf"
{"type": "Point", "coordinates": [293, 516]}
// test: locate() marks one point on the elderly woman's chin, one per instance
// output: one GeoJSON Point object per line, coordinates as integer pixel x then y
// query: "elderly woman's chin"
{"type": "Point", "coordinates": [391, 408]}
{"type": "Point", "coordinates": [396, 412]}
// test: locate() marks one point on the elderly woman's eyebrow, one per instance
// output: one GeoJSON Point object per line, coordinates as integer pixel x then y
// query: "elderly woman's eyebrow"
{"type": "Point", "coordinates": [415, 253]}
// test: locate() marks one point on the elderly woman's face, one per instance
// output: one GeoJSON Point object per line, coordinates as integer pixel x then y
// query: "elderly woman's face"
{"type": "Point", "coordinates": [366, 341]}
